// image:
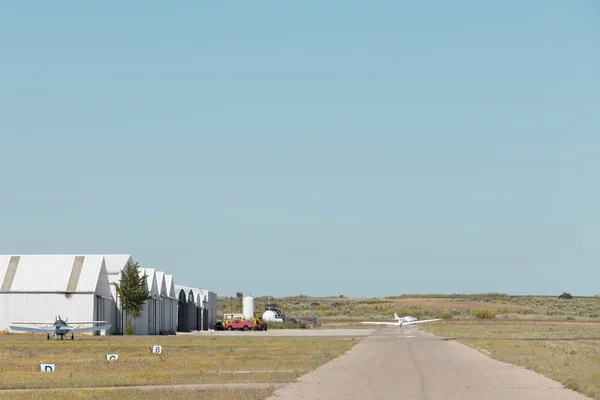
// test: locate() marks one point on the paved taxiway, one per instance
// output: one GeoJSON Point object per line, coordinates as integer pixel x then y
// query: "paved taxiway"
{"type": "Point", "coordinates": [408, 363]}
{"type": "Point", "coordinates": [287, 332]}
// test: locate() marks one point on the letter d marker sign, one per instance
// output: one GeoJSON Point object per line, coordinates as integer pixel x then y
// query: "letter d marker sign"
{"type": "Point", "coordinates": [47, 367]}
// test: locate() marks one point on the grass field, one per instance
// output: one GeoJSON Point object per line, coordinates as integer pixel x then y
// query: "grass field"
{"type": "Point", "coordinates": [344, 310]}
{"type": "Point", "coordinates": [188, 359]}
{"type": "Point", "coordinates": [160, 394]}
{"type": "Point", "coordinates": [549, 335]}
{"type": "Point", "coordinates": [566, 352]}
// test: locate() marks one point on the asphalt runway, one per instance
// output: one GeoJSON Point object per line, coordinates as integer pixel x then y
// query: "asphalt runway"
{"type": "Point", "coordinates": [407, 363]}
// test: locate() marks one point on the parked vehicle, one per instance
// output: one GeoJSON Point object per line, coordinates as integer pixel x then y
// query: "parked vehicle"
{"type": "Point", "coordinates": [256, 324]}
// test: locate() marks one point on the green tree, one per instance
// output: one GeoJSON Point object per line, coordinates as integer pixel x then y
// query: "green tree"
{"type": "Point", "coordinates": [133, 292]}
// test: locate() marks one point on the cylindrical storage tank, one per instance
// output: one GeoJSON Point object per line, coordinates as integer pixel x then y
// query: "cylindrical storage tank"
{"type": "Point", "coordinates": [270, 316]}
{"type": "Point", "coordinates": [248, 307]}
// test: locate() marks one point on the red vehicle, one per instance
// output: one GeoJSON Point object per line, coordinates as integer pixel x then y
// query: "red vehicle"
{"type": "Point", "coordinates": [238, 324]}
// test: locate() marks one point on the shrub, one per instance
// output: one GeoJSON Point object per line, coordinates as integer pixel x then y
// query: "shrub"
{"type": "Point", "coordinates": [286, 325]}
{"type": "Point", "coordinates": [444, 315]}
{"type": "Point", "coordinates": [565, 295]}
{"type": "Point", "coordinates": [485, 314]}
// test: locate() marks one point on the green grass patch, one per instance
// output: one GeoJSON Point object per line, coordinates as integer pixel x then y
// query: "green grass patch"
{"type": "Point", "coordinates": [484, 314]}
{"type": "Point", "coordinates": [287, 325]}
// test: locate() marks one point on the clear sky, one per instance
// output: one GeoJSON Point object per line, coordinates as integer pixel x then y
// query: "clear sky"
{"type": "Point", "coordinates": [320, 148]}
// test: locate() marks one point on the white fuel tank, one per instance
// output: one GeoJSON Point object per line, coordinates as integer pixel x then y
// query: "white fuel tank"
{"type": "Point", "coordinates": [271, 316]}
{"type": "Point", "coordinates": [248, 307]}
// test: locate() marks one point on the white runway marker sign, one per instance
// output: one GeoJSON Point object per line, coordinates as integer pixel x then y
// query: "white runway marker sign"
{"type": "Point", "coordinates": [47, 367]}
{"type": "Point", "coordinates": [156, 349]}
{"type": "Point", "coordinates": [112, 357]}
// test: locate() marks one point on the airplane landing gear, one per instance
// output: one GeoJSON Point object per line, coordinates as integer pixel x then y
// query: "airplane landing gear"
{"type": "Point", "coordinates": [48, 336]}
{"type": "Point", "coordinates": [72, 336]}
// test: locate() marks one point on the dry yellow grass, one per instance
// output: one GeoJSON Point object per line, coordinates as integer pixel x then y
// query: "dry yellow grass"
{"type": "Point", "coordinates": [186, 359]}
{"type": "Point", "coordinates": [449, 303]}
{"type": "Point", "coordinates": [567, 353]}
{"type": "Point", "coordinates": [119, 394]}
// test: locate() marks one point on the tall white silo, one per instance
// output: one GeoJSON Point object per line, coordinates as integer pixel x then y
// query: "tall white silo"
{"type": "Point", "coordinates": [248, 307]}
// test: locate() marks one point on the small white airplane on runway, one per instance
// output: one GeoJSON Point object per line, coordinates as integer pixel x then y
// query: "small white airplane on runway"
{"type": "Point", "coordinates": [401, 321]}
{"type": "Point", "coordinates": [408, 318]}
{"type": "Point", "coordinates": [59, 327]}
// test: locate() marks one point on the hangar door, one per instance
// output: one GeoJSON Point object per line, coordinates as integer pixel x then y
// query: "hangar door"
{"type": "Point", "coordinates": [183, 314]}
{"type": "Point", "coordinates": [103, 309]}
{"type": "Point", "coordinates": [204, 319]}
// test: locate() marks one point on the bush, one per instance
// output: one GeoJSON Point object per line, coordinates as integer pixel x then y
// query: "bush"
{"type": "Point", "coordinates": [485, 314]}
{"type": "Point", "coordinates": [286, 325]}
{"type": "Point", "coordinates": [444, 315]}
{"type": "Point", "coordinates": [565, 295]}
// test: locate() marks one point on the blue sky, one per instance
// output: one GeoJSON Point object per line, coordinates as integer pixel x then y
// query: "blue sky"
{"type": "Point", "coordinates": [309, 148]}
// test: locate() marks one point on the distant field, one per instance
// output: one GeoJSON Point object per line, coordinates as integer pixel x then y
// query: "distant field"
{"type": "Point", "coordinates": [187, 359]}
{"type": "Point", "coordinates": [566, 352]}
{"type": "Point", "coordinates": [332, 310]}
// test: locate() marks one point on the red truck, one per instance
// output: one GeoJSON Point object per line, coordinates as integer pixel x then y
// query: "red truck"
{"type": "Point", "coordinates": [238, 324]}
{"type": "Point", "coordinates": [257, 324]}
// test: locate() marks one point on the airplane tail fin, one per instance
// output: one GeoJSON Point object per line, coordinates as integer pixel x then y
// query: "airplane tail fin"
{"type": "Point", "coordinates": [396, 317]}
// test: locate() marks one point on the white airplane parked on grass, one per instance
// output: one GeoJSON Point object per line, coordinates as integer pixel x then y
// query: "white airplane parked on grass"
{"type": "Point", "coordinates": [401, 321]}
{"type": "Point", "coordinates": [59, 327]}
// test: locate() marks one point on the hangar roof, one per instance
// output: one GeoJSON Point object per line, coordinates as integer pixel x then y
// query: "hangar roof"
{"type": "Point", "coordinates": [195, 292]}
{"type": "Point", "coordinates": [44, 273]}
{"type": "Point", "coordinates": [151, 281]}
{"type": "Point", "coordinates": [116, 262]}
{"type": "Point", "coordinates": [170, 284]}
{"type": "Point", "coordinates": [161, 284]}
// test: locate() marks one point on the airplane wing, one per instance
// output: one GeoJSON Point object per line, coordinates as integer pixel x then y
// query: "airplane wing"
{"type": "Point", "coordinates": [403, 323]}
{"type": "Point", "coordinates": [90, 328]}
{"type": "Point", "coordinates": [49, 329]}
{"type": "Point", "coordinates": [420, 322]}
